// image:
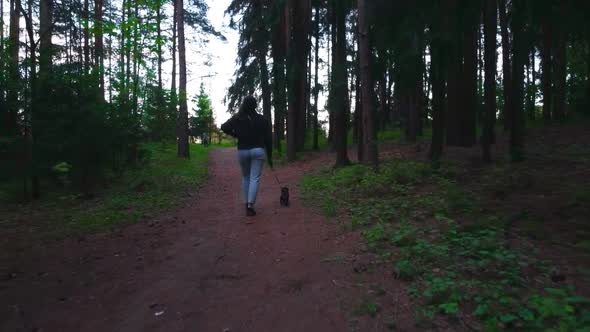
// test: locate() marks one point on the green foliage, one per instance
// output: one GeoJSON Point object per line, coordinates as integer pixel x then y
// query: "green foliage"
{"type": "Point", "coordinates": [407, 211]}
{"type": "Point", "coordinates": [159, 185]}
{"type": "Point", "coordinates": [202, 125]}
{"type": "Point", "coordinates": [368, 308]}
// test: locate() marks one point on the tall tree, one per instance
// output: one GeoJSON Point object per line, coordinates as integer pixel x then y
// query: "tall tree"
{"type": "Point", "coordinates": [316, 86]}
{"type": "Point", "coordinates": [560, 63]}
{"type": "Point", "coordinates": [86, 24]}
{"type": "Point", "coordinates": [300, 13]}
{"type": "Point", "coordinates": [369, 136]}
{"type": "Point", "coordinates": [182, 130]}
{"type": "Point", "coordinates": [547, 64]}
{"type": "Point", "coordinates": [470, 101]}
{"type": "Point", "coordinates": [454, 67]}
{"type": "Point", "coordinates": [12, 85]}
{"type": "Point", "coordinates": [173, 93]}
{"type": "Point", "coordinates": [489, 118]}
{"type": "Point", "coordinates": [339, 86]}
{"type": "Point", "coordinates": [278, 52]}
{"type": "Point", "coordinates": [519, 56]}
{"type": "Point", "coordinates": [506, 63]}
{"type": "Point", "coordinates": [439, 41]}
{"type": "Point", "coordinates": [262, 52]}
{"type": "Point", "coordinates": [99, 45]}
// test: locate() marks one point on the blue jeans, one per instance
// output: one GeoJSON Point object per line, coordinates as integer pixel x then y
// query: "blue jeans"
{"type": "Point", "coordinates": [251, 162]}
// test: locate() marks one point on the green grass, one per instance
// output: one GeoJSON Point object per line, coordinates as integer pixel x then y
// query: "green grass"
{"type": "Point", "coordinates": [407, 213]}
{"type": "Point", "coordinates": [159, 185]}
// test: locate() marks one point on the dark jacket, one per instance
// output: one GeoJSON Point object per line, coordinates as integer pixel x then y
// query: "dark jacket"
{"type": "Point", "coordinates": [252, 131]}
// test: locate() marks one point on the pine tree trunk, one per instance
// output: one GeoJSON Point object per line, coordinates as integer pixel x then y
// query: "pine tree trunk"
{"type": "Point", "coordinates": [358, 110]}
{"type": "Point", "coordinates": [560, 68]}
{"type": "Point", "coordinates": [127, 76]}
{"type": "Point", "coordinates": [455, 74]}
{"type": "Point", "coordinates": [86, 17]}
{"type": "Point", "coordinates": [588, 70]}
{"type": "Point", "coordinates": [438, 69]}
{"type": "Point", "coordinates": [292, 109]}
{"type": "Point", "coordinates": [278, 73]}
{"type": "Point", "coordinates": [136, 59]}
{"type": "Point", "coordinates": [547, 65]}
{"type": "Point", "coordinates": [369, 135]}
{"type": "Point", "coordinates": [316, 87]}
{"type": "Point", "coordinates": [470, 102]}
{"type": "Point", "coordinates": [506, 64]}
{"type": "Point", "coordinates": [99, 45]}
{"type": "Point", "coordinates": [3, 107]}
{"type": "Point", "coordinates": [301, 38]}
{"type": "Point", "coordinates": [519, 59]}
{"type": "Point", "coordinates": [123, 96]}
{"type": "Point", "coordinates": [340, 85]}
{"type": "Point", "coordinates": [12, 87]}
{"type": "Point", "coordinates": [173, 93]}
{"type": "Point", "coordinates": [489, 118]}
{"type": "Point", "coordinates": [266, 90]}
{"type": "Point", "coordinates": [331, 42]}
{"type": "Point", "coordinates": [183, 144]}
{"type": "Point", "coordinates": [159, 50]}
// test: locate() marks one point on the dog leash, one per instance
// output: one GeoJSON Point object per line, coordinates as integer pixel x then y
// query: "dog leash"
{"type": "Point", "coordinates": [276, 177]}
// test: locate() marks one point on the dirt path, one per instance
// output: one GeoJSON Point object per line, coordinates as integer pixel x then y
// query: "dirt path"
{"type": "Point", "coordinates": [203, 268]}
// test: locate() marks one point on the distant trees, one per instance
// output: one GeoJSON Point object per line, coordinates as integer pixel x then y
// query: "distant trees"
{"type": "Point", "coordinates": [203, 124]}
{"type": "Point", "coordinates": [417, 65]}
{"type": "Point", "coordinates": [83, 85]}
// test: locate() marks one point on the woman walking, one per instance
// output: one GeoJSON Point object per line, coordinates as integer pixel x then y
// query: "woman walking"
{"type": "Point", "coordinates": [254, 136]}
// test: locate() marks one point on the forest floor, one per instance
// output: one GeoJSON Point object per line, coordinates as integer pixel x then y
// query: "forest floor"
{"type": "Point", "coordinates": [492, 247]}
{"type": "Point", "coordinates": [206, 267]}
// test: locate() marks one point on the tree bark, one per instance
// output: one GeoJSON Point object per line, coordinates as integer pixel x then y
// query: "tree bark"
{"type": "Point", "coordinates": [278, 73]}
{"type": "Point", "coordinates": [123, 95]}
{"type": "Point", "coordinates": [438, 70]}
{"type": "Point", "coordinates": [136, 59]}
{"type": "Point", "coordinates": [340, 85]}
{"type": "Point", "coordinates": [454, 68]}
{"type": "Point", "coordinates": [370, 153]}
{"type": "Point", "coordinates": [358, 110]}
{"type": "Point", "coordinates": [560, 67]}
{"type": "Point", "coordinates": [86, 18]}
{"type": "Point", "coordinates": [547, 65]}
{"type": "Point", "coordinates": [266, 90]}
{"type": "Point", "coordinates": [29, 156]}
{"type": "Point", "coordinates": [12, 87]}
{"type": "Point", "coordinates": [470, 102]}
{"type": "Point", "coordinates": [301, 37]}
{"type": "Point", "coordinates": [588, 69]}
{"type": "Point", "coordinates": [159, 51]}
{"type": "Point", "coordinates": [183, 144]}
{"type": "Point", "coordinates": [173, 94]}
{"type": "Point", "coordinates": [316, 87]}
{"type": "Point", "coordinates": [99, 45]}
{"type": "Point", "coordinates": [489, 118]}
{"type": "Point", "coordinates": [519, 59]}
{"type": "Point", "coordinates": [506, 64]}
{"type": "Point", "coordinates": [3, 107]}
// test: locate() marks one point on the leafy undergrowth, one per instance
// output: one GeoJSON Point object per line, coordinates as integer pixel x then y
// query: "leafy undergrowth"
{"type": "Point", "coordinates": [157, 186]}
{"type": "Point", "coordinates": [456, 255]}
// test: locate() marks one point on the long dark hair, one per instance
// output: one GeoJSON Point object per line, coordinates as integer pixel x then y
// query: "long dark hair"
{"type": "Point", "coordinates": [248, 107]}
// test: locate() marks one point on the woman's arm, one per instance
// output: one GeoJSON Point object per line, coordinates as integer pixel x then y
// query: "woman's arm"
{"type": "Point", "coordinates": [229, 127]}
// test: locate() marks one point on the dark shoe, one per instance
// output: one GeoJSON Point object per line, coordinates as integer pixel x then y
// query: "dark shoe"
{"type": "Point", "coordinates": [250, 212]}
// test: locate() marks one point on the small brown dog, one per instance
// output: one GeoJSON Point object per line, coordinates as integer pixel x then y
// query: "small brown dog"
{"type": "Point", "coordinates": [284, 196]}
